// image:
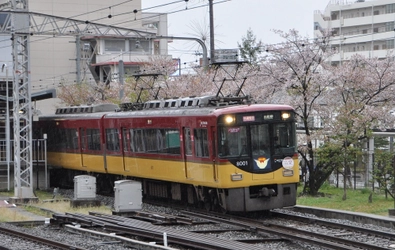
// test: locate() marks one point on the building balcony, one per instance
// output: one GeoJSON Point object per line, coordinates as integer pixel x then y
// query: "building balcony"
{"type": "Point", "coordinates": [108, 59]}
{"type": "Point", "coordinates": [345, 56]}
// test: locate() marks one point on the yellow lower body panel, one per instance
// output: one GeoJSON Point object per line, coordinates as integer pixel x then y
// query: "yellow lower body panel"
{"type": "Point", "coordinates": [223, 175]}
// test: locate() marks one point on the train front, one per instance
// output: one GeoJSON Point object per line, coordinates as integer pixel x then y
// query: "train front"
{"type": "Point", "coordinates": [259, 149]}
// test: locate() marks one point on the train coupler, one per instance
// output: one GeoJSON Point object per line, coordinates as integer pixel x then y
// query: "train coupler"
{"type": "Point", "coordinates": [266, 192]}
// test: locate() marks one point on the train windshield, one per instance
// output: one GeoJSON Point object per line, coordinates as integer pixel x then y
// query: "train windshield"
{"type": "Point", "coordinates": [257, 142]}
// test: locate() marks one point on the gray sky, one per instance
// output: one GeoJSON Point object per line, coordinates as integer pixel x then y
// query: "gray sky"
{"type": "Point", "coordinates": [232, 19]}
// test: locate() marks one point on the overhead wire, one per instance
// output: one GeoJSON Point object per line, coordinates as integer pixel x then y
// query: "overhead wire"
{"type": "Point", "coordinates": [129, 13]}
{"type": "Point", "coordinates": [172, 12]}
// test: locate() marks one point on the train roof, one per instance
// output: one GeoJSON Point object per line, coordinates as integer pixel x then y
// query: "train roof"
{"type": "Point", "coordinates": [192, 106]}
{"type": "Point", "coordinates": [202, 111]}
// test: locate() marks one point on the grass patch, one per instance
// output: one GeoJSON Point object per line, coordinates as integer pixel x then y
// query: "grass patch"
{"type": "Point", "coordinates": [64, 207]}
{"type": "Point", "coordinates": [59, 205]}
{"type": "Point", "coordinates": [11, 214]}
{"type": "Point", "coordinates": [357, 200]}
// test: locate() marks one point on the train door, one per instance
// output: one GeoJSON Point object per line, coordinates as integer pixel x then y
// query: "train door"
{"type": "Point", "coordinates": [201, 168]}
{"type": "Point", "coordinates": [82, 137]}
{"type": "Point", "coordinates": [187, 149]}
{"type": "Point", "coordinates": [214, 157]}
{"type": "Point", "coordinates": [125, 147]}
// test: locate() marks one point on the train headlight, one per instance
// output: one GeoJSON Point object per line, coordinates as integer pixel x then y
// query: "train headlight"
{"type": "Point", "coordinates": [229, 119]}
{"type": "Point", "coordinates": [285, 115]}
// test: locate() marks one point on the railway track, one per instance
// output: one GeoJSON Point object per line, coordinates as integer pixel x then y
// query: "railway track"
{"type": "Point", "coordinates": [146, 226]}
{"type": "Point", "coordinates": [39, 242]}
{"type": "Point", "coordinates": [187, 228]}
{"type": "Point", "coordinates": [130, 227]}
{"type": "Point", "coordinates": [294, 231]}
{"type": "Point", "coordinates": [334, 225]}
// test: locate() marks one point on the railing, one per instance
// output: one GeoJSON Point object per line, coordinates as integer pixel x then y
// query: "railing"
{"type": "Point", "coordinates": [39, 158]}
{"type": "Point", "coordinates": [39, 147]}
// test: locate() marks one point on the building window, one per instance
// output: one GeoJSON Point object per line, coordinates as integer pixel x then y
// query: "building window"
{"type": "Point", "coordinates": [142, 46]}
{"type": "Point", "coordinates": [375, 30]}
{"type": "Point", "coordinates": [376, 47]}
{"type": "Point", "coordinates": [376, 12]}
{"type": "Point", "coordinates": [365, 31]}
{"type": "Point", "coordinates": [389, 26]}
{"type": "Point", "coordinates": [114, 45]}
{"type": "Point", "coordinates": [390, 8]}
{"type": "Point", "coordinates": [390, 44]}
{"type": "Point", "coordinates": [156, 48]}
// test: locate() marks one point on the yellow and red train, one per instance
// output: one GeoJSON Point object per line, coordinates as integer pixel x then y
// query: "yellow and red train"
{"type": "Point", "coordinates": [198, 150]}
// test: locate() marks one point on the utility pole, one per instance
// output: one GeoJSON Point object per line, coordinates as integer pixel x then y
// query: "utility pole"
{"type": "Point", "coordinates": [22, 109]}
{"type": "Point", "coordinates": [212, 48]}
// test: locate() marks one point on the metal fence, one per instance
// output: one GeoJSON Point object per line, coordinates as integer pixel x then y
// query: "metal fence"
{"type": "Point", "coordinates": [39, 158]}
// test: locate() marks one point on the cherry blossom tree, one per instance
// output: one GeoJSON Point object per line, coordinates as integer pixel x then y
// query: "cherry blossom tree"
{"type": "Point", "coordinates": [83, 93]}
{"type": "Point", "coordinates": [361, 100]}
{"type": "Point", "coordinates": [296, 72]}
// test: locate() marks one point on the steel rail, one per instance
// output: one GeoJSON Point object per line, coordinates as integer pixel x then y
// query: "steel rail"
{"type": "Point", "coordinates": [288, 232]}
{"type": "Point", "coordinates": [40, 240]}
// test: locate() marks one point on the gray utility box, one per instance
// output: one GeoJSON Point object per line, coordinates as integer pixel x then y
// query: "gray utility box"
{"type": "Point", "coordinates": [84, 187]}
{"type": "Point", "coordinates": [128, 196]}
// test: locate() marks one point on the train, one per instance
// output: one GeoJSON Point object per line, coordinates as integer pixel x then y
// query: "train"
{"type": "Point", "coordinates": [225, 154]}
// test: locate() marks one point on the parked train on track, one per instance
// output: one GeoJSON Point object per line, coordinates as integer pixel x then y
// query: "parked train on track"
{"type": "Point", "coordinates": [222, 153]}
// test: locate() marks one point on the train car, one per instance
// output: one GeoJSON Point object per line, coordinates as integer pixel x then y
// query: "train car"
{"type": "Point", "coordinates": [200, 150]}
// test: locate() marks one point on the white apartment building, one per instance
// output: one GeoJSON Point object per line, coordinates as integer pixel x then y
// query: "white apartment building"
{"type": "Point", "coordinates": [92, 58]}
{"type": "Point", "coordinates": [358, 26]}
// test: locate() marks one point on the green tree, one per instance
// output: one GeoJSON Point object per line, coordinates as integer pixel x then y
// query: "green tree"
{"type": "Point", "coordinates": [384, 171]}
{"type": "Point", "coordinates": [250, 48]}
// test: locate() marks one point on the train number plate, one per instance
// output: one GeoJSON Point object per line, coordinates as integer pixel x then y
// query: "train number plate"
{"type": "Point", "coordinates": [241, 163]}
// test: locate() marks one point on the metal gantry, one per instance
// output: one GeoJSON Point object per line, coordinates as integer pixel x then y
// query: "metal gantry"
{"type": "Point", "coordinates": [21, 24]}
{"type": "Point", "coordinates": [22, 110]}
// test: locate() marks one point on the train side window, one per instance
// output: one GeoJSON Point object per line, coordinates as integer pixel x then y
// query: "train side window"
{"type": "Point", "coordinates": [71, 138]}
{"type": "Point", "coordinates": [172, 141]}
{"type": "Point", "coordinates": [187, 141]}
{"type": "Point", "coordinates": [137, 140]}
{"type": "Point", "coordinates": [83, 138]}
{"type": "Point", "coordinates": [201, 142]}
{"type": "Point", "coordinates": [112, 139]}
{"type": "Point", "coordinates": [125, 138]}
{"type": "Point", "coordinates": [53, 139]}
{"type": "Point", "coordinates": [93, 136]}
{"type": "Point", "coordinates": [132, 141]}
{"type": "Point", "coordinates": [151, 140]}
